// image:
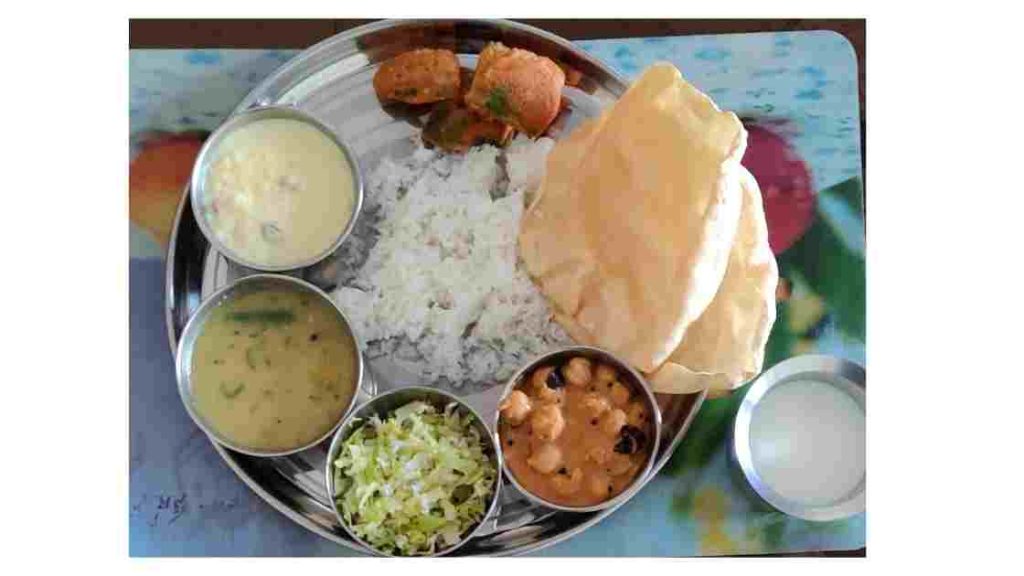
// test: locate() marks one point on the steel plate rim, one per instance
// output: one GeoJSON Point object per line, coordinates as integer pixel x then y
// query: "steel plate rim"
{"type": "Point", "coordinates": [229, 457]}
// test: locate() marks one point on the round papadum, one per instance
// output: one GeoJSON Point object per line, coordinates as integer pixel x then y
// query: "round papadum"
{"type": "Point", "coordinates": [633, 228]}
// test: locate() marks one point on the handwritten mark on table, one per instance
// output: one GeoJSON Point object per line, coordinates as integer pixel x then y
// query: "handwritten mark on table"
{"type": "Point", "coordinates": [162, 509]}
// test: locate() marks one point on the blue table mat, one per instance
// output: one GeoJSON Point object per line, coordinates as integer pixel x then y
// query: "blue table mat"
{"type": "Point", "coordinates": [185, 501]}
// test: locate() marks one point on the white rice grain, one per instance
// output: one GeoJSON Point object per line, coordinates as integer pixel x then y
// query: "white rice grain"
{"type": "Point", "coordinates": [443, 275]}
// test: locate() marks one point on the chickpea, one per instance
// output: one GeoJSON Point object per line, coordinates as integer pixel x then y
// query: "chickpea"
{"type": "Point", "coordinates": [545, 459]}
{"type": "Point", "coordinates": [547, 422]}
{"type": "Point", "coordinates": [619, 464]}
{"type": "Point", "coordinates": [605, 374]}
{"type": "Point", "coordinates": [539, 377]}
{"type": "Point", "coordinates": [620, 393]}
{"type": "Point", "coordinates": [599, 484]}
{"type": "Point", "coordinates": [515, 408]}
{"type": "Point", "coordinates": [541, 390]}
{"type": "Point", "coordinates": [577, 372]}
{"type": "Point", "coordinates": [612, 421]}
{"type": "Point", "coordinates": [549, 396]}
{"type": "Point", "coordinates": [637, 415]}
{"type": "Point", "coordinates": [599, 453]}
{"type": "Point", "coordinates": [595, 405]}
{"type": "Point", "coordinates": [570, 483]}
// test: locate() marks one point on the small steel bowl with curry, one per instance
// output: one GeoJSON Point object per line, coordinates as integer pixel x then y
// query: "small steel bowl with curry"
{"type": "Point", "coordinates": [578, 430]}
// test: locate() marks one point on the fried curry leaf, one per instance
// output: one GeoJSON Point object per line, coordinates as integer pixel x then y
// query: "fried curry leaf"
{"type": "Point", "coordinates": [455, 128]}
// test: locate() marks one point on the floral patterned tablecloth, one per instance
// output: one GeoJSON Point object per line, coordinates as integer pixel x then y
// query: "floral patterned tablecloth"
{"type": "Point", "coordinates": [797, 93]}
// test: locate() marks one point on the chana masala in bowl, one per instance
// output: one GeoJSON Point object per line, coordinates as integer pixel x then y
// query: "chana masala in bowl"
{"type": "Point", "coordinates": [577, 429]}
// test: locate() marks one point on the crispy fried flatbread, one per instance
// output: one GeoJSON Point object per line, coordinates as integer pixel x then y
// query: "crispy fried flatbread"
{"type": "Point", "coordinates": [725, 346]}
{"type": "Point", "coordinates": [631, 232]}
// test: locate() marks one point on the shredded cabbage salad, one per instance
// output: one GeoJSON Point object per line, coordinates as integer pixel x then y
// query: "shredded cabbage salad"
{"type": "Point", "coordinates": [414, 482]}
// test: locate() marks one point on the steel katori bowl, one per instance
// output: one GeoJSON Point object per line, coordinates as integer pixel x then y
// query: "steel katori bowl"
{"type": "Point", "coordinates": [208, 154]}
{"type": "Point", "coordinates": [628, 376]}
{"type": "Point", "coordinates": [383, 405]}
{"type": "Point", "coordinates": [840, 374]}
{"type": "Point", "coordinates": [248, 285]}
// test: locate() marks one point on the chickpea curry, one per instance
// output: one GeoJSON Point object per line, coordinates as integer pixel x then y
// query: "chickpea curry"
{"type": "Point", "coordinates": [574, 434]}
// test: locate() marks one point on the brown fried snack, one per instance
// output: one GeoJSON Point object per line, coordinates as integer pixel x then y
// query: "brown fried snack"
{"type": "Point", "coordinates": [517, 87]}
{"type": "Point", "coordinates": [455, 128]}
{"type": "Point", "coordinates": [419, 76]}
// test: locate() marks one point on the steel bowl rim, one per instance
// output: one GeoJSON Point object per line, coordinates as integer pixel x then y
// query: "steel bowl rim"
{"type": "Point", "coordinates": [244, 117]}
{"type": "Point", "coordinates": [638, 482]}
{"type": "Point", "coordinates": [196, 322]}
{"type": "Point", "coordinates": [339, 436]}
{"type": "Point", "coordinates": [849, 371]}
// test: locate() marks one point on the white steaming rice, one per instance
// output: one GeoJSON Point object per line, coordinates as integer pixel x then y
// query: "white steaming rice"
{"type": "Point", "coordinates": [441, 286]}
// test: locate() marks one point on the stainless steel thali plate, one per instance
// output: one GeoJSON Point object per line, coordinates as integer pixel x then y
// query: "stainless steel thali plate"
{"type": "Point", "coordinates": [333, 82]}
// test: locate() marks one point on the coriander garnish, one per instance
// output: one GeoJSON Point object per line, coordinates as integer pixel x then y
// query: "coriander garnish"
{"type": "Point", "coordinates": [230, 390]}
{"type": "Point", "coordinates": [269, 316]}
{"type": "Point", "coordinates": [497, 101]}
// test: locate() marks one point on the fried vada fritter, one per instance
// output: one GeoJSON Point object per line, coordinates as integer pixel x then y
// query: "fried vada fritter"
{"type": "Point", "coordinates": [490, 54]}
{"type": "Point", "coordinates": [517, 87]}
{"type": "Point", "coordinates": [419, 76]}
